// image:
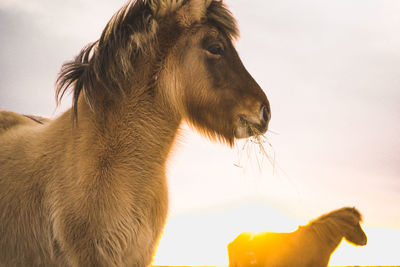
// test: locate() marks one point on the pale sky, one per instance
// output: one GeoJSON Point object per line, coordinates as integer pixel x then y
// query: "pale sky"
{"type": "Point", "coordinates": [331, 70]}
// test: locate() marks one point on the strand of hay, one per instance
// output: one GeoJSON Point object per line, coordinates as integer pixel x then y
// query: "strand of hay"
{"type": "Point", "coordinates": [259, 147]}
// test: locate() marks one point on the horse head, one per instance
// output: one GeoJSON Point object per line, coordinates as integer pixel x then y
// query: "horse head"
{"type": "Point", "coordinates": [354, 233]}
{"type": "Point", "coordinates": [204, 78]}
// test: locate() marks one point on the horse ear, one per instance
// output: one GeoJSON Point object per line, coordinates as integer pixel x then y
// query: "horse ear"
{"type": "Point", "coordinates": [193, 11]}
{"type": "Point", "coordinates": [188, 11]}
{"type": "Point", "coordinates": [161, 8]}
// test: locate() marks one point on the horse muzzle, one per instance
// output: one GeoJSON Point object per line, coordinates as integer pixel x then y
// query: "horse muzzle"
{"type": "Point", "coordinates": [248, 125]}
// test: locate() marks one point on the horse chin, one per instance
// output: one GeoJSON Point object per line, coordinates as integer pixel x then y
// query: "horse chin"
{"type": "Point", "coordinates": [242, 132]}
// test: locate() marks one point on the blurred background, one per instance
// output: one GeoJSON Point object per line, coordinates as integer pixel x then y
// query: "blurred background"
{"type": "Point", "coordinates": [331, 70]}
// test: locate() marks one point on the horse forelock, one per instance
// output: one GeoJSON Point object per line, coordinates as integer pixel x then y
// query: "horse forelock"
{"type": "Point", "coordinates": [107, 64]}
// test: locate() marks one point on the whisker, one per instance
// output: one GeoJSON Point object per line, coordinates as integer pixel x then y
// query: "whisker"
{"type": "Point", "coordinates": [273, 132]}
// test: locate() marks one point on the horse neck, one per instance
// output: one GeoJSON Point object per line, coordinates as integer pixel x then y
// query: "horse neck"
{"type": "Point", "coordinates": [134, 134]}
{"type": "Point", "coordinates": [328, 233]}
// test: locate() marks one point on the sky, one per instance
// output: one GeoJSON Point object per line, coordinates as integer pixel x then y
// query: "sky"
{"type": "Point", "coordinates": [331, 71]}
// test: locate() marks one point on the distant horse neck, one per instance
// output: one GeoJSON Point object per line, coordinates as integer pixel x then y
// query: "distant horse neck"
{"type": "Point", "coordinates": [327, 233]}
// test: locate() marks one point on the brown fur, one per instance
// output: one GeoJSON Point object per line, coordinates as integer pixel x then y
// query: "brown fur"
{"type": "Point", "coordinates": [94, 192]}
{"type": "Point", "coordinates": [9, 119]}
{"type": "Point", "coordinates": [309, 246]}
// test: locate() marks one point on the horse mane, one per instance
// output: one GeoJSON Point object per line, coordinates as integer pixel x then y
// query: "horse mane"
{"type": "Point", "coordinates": [341, 220]}
{"type": "Point", "coordinates": [106, 65]}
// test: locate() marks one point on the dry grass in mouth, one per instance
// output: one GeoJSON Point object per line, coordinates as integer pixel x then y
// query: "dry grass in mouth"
{"type": "Point", "coordinates": [259, 147]}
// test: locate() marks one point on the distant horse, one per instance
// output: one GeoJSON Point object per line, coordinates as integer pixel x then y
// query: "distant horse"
{"type": "Point", "coordinates": [309, 246]}
{"type": "Point", "coordinates": [89, 188]}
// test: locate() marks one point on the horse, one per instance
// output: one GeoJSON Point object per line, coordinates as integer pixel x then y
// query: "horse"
{"type": "Point", "coordinates": [309, 246]}
{"type": "Point", "coordinates": [89, 188]}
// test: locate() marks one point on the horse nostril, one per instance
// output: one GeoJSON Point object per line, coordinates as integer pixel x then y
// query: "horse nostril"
{"type": "Point", "coordinates": [265, 115]}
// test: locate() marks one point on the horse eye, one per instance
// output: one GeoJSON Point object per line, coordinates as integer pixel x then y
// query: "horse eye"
{"type": "Point", "coordinates": [215, 49]}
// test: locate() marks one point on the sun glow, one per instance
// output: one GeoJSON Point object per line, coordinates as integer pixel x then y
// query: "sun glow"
{"type": "Point", "coordinates": [201, 239]}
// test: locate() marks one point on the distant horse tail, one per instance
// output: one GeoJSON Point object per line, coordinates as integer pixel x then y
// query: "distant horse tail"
{"type": "Point", "coordinates": [231, 253]}
{"type": "Point", "coordinates": [237, 250]}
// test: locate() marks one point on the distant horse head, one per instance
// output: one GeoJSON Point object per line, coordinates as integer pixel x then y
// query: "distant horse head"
{"type": "Point", "coordinates": [346, 222]}
{"type": "Point", "coordinates": [184, 51]}
{"type": "Point", "coordinates": [354, 233]}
